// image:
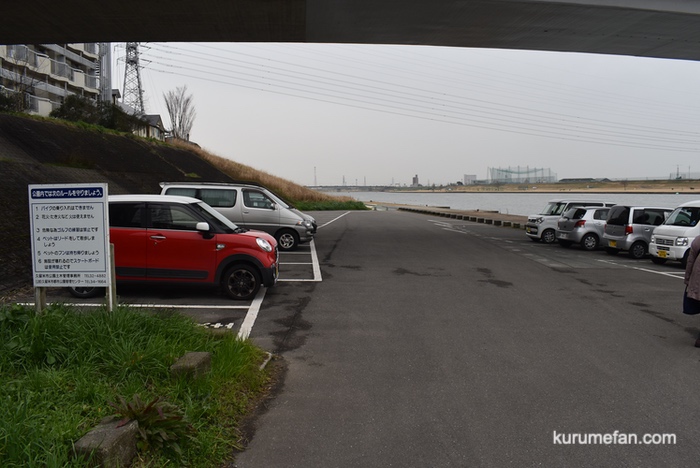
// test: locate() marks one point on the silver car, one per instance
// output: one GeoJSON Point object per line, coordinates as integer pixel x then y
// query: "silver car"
{"type": "Point", "coordinates": [583, 225]}
{"type": "Point", "coordinates": [630, 228]}
{"type": "Point", "coordinates": [251, 207]}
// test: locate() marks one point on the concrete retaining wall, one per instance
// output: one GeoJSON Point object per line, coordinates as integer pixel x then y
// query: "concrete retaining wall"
{"type": "Point", "coordinates": [483, 217]}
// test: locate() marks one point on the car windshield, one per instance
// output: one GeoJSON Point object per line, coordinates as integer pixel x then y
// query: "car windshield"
{"type": "Point", "coordinates": [214, 218]}
{"type": "Point", "coordinates": [553, 208]}
{"type": "Point", "coordinates": [277, 199]}
{"type": "Point", "coordinates": [683, 216]}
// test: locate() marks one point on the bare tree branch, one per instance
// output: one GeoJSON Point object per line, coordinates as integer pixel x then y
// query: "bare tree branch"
{"type": "Point", "coordinates": [181, 110]}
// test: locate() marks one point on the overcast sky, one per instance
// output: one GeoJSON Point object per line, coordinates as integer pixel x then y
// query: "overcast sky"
{"type": "Point", "coordinates": [377, 115]}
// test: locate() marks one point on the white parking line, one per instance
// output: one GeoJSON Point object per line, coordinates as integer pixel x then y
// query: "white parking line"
{"type": "Point", "coordinates": [679, 275]}
{"type": "Point", "coordinates": [334, 219]}
{"type": "Point", "coordinates": [314, 262]}
{"type": "Point", "coordinates": [439, 223]}
{"type": "Point", "coordinates": [317, 266]}
{"type": "Point", "coordinates": [252, 315]}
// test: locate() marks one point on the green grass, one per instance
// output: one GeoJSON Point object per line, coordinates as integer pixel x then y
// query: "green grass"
{"type": "Point", "coordinates": [329, 205]}
{"type": "Point", "coordinates": [59, 372]}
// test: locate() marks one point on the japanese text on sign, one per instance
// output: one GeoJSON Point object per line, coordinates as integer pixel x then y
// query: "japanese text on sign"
{"type": "Point", "coordinates": [70, 235]}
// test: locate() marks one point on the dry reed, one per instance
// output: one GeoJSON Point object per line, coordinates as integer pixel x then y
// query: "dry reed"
{"type": "Point", "coordinates": [284, 188]}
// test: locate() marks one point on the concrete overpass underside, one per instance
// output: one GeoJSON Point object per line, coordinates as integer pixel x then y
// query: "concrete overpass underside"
{"type": "Point", "coordinates": [651, 28]}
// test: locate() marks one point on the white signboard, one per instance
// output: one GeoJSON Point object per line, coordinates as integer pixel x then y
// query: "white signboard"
{"type": "Point", "coordinates": [70, 234]}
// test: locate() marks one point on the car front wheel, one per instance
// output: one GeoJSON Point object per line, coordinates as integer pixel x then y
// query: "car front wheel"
{"type": "Point", "coordinates": [549, 236]}
{"type": "Point", "coordinates": [241, 282]}
{"type": "Point", "coordinates": [287, 239]}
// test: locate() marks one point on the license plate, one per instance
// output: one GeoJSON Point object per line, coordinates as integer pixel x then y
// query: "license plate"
{"type": "Point", "coordinates": [612, 243]}
{"type": "Point", "coordinates": [663, 254]}
{"type": "Point", "coordinates": [528, 230]}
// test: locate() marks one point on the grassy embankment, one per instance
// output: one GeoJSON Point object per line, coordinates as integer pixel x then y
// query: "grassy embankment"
{"type": "Point", "coordinates": [301, 197]}
{"type": "Point", "coordinates": [61, 370]}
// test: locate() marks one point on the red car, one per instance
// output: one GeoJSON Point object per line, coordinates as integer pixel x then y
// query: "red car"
{"type": "Point", "coordinates": [161, 238]}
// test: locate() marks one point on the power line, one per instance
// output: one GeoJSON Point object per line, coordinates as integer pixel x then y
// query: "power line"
{"type": "Point", "coordinates": [412, 101]}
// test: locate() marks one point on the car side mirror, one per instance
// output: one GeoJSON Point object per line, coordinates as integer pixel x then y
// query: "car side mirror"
{"type": "Point", "coordinates": [204, 229]}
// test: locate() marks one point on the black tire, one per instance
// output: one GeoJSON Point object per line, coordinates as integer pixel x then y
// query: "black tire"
{"type": "Point", "coordinates": [589, 242]}
{"type": "Point", "coordinates": [549, 236]}
{"type": "Point", "coordinates": [611, 251]}
{"type": "Point", "coordinates": [658, 261]}
{"type": "Point", "coordinates": [638, 250]}
{"type": "Point", "coordinates": [684, 260]}
{"type": "Point", "coordinates": [287, 239]}
{"type": "Point", "coordinates": [565, 243]}
{"type": "Point", "coordinates": [85, 292]}
{"type": "Point", "coordinates": [241, 282]}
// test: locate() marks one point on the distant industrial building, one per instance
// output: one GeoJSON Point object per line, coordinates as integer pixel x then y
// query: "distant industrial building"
{"type": "Point", "coordinates": [43, 75]}
{"type": "Point", "coordinates": [521, 175]}
{"type": "Point", "coordinates": [684, 175]}
{"type": "Point", "coordinates": [469, 179]}
{"type": "Point", "coordinates": [415, 181]}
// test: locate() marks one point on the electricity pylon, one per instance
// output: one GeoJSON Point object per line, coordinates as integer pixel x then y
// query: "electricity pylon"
{"type": "Point", "coordinates": [132, 94]}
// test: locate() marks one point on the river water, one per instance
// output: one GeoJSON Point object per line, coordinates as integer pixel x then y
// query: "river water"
{"type": "Point", "coordinates": [514, 203]}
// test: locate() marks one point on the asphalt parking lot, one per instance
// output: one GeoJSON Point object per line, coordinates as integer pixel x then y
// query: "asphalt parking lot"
{"type": "Point", "coordinates": [436, 342]}
{"type": "Point", "coordinates": [433, 342]}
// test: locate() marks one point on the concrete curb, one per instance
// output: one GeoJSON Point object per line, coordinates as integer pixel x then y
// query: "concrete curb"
{"type": "Point", "coordinates": [483, 217]}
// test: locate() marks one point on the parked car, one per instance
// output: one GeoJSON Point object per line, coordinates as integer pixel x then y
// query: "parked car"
{"type": "Point", "coordinates": [671, 240]}
{"type": "Point", "coordinates": [173, 239]}
{"type": "Point", "coordinates": [630, 228]}
{"type": "Point", "coordinates": [583, 225]}
{"type": "Point", "coordinates": [252, 207]}
{"type": "Point", "coordinates": [543, 226]}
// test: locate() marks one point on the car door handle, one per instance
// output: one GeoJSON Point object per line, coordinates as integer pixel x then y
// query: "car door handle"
{"type": "Point", "coordinates": [158, 237]}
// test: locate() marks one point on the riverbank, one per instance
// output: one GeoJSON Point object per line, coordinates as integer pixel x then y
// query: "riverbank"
{"type": "Point", "coordinates": [676, 186]}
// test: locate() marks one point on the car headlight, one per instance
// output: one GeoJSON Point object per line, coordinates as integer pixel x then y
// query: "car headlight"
{"type": "Point", "coordinates": [681, 241]}
{"type": "Point", "coordinates": [306, 223]}
{"type": "Point", "coordinates": [652, 240]}
{"type": "Point", "coordinates": [263, 244]}
{"type": "Point", "coordinates": [539, 220]}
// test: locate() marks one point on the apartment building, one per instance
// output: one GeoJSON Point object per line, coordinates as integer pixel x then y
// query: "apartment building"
{"type": "Point", "coordinates": [45, 74]}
